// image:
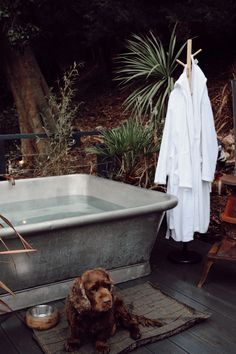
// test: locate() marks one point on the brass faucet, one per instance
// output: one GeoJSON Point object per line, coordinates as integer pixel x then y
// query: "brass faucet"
{"type": "Point", "coordinates": [8, 178]}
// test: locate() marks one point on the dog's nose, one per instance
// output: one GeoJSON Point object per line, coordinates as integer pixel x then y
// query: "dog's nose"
{"type": "Point", "coordinates": [107, 301]}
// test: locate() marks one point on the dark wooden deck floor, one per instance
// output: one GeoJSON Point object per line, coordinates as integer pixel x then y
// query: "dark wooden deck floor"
{"type": "Point", "coordinates": [218, 296]}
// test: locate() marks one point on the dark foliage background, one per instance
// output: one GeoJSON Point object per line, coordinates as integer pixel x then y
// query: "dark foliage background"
{"type": "Point", "coordinates": [93, 32]}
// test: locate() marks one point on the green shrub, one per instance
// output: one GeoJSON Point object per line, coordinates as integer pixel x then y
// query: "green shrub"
{"type": "Point", "coordinates": [64, 111]}
{"type": "Point", "coordinates": [129, 145]}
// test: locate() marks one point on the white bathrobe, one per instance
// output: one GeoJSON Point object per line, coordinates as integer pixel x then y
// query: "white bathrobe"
{"type": "Point", "coordinates": [188, 156]}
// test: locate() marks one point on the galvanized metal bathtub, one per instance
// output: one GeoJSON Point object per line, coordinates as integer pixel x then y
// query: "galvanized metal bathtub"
{"type": "Point", "coordinates": [77, 222]}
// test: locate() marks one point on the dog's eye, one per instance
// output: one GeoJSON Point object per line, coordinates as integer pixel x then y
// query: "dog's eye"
{"type": "Point", "coordinates": [93, 288]}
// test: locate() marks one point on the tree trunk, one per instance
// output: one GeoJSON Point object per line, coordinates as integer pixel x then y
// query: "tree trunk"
{"type": "Point", "coordinates": [30, 92]}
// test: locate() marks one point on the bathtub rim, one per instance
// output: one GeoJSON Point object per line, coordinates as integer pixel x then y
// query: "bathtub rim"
{"type": "Point", "coordinates": [160, 206]}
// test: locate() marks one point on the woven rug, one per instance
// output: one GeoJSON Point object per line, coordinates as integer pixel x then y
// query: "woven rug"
{"type": "Point", "coordinates": [145, 299]}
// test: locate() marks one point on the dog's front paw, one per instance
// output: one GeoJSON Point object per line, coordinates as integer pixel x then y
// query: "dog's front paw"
{"type": "Point", "coordinates": [102, 347]}
{"type": "Point", "coordinates": [135, 333]}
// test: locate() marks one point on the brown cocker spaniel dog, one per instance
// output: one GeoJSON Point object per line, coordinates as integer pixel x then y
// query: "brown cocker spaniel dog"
{"type": "Point", "coordinates": [94, 312]}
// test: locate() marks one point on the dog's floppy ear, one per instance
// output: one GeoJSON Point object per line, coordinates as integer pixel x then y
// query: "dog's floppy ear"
{"type": "Point", "coordinates": [78, 297]}
{"type": "Point", "coordinates": [110, 280]}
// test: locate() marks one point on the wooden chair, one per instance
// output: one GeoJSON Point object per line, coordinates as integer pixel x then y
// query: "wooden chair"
{"type": "Point", "coordinates": [224, 250]}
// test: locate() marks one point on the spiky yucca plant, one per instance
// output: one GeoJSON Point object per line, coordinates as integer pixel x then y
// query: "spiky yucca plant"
{"type": "Point", "coordinates": [149, 67]}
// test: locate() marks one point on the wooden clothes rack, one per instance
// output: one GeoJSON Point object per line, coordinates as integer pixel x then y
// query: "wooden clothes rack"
{"type": "Point", "coordinates": [185, 256]}
{"type": "Point", "coordinates": [188, 64]}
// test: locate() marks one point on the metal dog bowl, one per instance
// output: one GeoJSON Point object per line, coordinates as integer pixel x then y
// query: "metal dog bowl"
{"type": "Point", "coordinates": [42, 317]}
{"type": "Point", "coordinates": [42, 311]}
